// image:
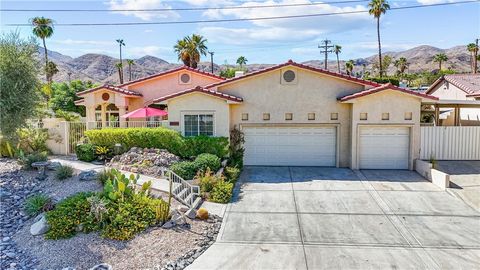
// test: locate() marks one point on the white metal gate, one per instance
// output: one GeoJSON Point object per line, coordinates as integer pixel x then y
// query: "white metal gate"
{"type": "Point", "coordinates": [75, 133]}
{"type": "Point", "coordinates": [450, 143]}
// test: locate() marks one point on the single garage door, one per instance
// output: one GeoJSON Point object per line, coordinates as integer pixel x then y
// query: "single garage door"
{"type": "Point", "coordinates": [290, 146]}
{"type": "Point", "coordinates": [384, 147]}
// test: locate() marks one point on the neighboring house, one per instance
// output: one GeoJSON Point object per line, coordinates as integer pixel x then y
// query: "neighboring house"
{"type": "Point", "coordinates": [463, 89]}
{"type": "Point", "coordinates": [292, 114]}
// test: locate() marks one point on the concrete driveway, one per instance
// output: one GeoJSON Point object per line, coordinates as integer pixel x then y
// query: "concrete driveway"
{"type": "Point", "coordinates": [334, 218]}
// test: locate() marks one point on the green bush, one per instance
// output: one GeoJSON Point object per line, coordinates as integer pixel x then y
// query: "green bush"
{"type": "Point", "coordinates": [162, 138]}
{"type": "Point", "coordinates": [85, 152]}
{"type": "Point", "coordinates": [222, 192]}
{"type": "Point", "coordinates": [105, 175]}
{"type": "Point", "coordinates": [29, 159]}
{"type": "Point", "coordinates": [69, 215]}
{"type": "Point", "coordinates": [32, 140]}
{"type": "Point", "coordinates": [63, 172]}
{"type": "Point", "coordinates": [232, 174]}
{"type": "Point", "coordinates": [204, 161]}
{"type": "Point", "coordinates": [36, 204]}
{"type": "Point", "coordinates": [207, 181]}
{"type": "Point", "coordinates": [185, 169]}
{"type": "Point", "coordinates": [383, 80]}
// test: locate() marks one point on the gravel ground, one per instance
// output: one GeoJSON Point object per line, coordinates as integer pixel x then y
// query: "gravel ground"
{"type": "Point", "coordinates": [155, 248]}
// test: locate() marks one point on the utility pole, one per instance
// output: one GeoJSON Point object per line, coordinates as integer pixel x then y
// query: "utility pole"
{"type": "Point", "coordinates": [211, 59]}
{"type": "Point", "coordinates": [326, 49]}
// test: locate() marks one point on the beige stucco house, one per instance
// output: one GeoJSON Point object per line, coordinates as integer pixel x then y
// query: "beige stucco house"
{"type": "Point", "coordinates": [291, 114]}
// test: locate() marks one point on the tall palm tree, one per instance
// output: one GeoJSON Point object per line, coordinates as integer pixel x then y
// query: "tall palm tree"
{"type": "Point", "coordinates": [120, 44]}
{"type": "Point", "coordinates": [377, 8]}
{"type": "Point", "coordinates": [401, 64]}
{"type": "Point", "coordinates": [190, 49]}
{"type": "Point", "coordinates": [440, 58]}
{"type": "Point", "coordinates": [43, 28]}
{"type": "Point", "coordinates": [242, 61]}
{"type": "Point", "coordinates": [349, 67]}
{"type": "Point", "coordinates": [130, 63]}
{"type": "Point", "coordinates": [337, 49]}
{"type": "Point", "coordinates": [119, 67]}
{"type": "Point", "coordinates": [473, 49]}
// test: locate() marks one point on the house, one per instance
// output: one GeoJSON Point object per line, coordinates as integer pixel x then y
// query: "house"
{"type": "Point", "coordinates": [291, 114]}
{"type": "Point", "coordinates": [459, 95]}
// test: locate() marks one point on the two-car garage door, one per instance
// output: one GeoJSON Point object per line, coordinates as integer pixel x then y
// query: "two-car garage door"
{"type": "Point", "coordinates": [290, 146]}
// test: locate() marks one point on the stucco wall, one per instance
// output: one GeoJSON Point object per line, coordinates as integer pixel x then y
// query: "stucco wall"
{"type": "Point", "coordinates": [312, 93]}
{"type": "Point", "coordinates": [200, 103]}
{"type": "Point", "coordinates": [447, 90]}
{"type": "Point", "coordinates": [394, 103]}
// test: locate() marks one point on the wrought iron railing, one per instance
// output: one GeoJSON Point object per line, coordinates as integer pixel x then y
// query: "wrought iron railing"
{"type": "Point", "coordinates": [126, 124]}
{"type": "Point", "coordinates": [182, 190]}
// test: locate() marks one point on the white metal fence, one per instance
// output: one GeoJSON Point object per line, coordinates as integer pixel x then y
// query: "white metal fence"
{"type": "Point", "coordinates": [450, 143]}
{"type": "Point", "coordinates": [126, 124]}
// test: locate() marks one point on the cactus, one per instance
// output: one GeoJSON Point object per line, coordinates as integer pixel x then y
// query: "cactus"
{"type": "Point", "coordinates": [202, 213]}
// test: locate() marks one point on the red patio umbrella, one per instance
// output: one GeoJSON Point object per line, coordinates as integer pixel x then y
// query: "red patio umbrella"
{"type": "Point", "coordinates": [145, 112]}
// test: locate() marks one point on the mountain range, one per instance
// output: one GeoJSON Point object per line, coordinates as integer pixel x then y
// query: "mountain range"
{"type": "Point", "coordinates": [101, 68]}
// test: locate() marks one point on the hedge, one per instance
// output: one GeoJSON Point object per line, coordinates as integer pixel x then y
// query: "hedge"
{"type": "Point", "coordinates": [383, 80]}
{"type": "Point", "coordinates": [162, 138]}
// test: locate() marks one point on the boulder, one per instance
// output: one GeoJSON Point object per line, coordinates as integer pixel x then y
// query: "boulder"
{"type": "Point", "coordinates": [54, 165]}
{"type": "Point", "coordinates": [191, 213]}
{"type": "Point", "coordinates": [40, 227]}
{"type": "Point", "coordinates": [168, 225]}
{"type": "Point", "coordinates": [87, 175]}
{"type": "Point", "coordinates": [178, 218]}
{"type": "Point", "coordinates": [102, 266]}
{"type": "Point", "coordinates": [182, 208]}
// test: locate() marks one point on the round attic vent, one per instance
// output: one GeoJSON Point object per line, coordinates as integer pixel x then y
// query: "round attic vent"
{"type": "Point", "coordinates": [289, 75]}
{"type": "Point", "coordinates": [185, 78]}
{"type": "Point", "coordinates": [105, 96]}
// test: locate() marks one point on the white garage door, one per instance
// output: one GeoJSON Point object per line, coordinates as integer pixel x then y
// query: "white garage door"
{"type": "Point", "coordinates": [290, 146]}
{"type": "Point", "coordinates": [384, 147]}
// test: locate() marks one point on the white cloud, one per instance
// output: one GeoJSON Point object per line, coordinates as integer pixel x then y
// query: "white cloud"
{"type": "Point", "coordinates": [431, 2]}
{"type": "Point", "coordinates": [143, 4]}
{"type": "Point", "coordinates": [148, 31]}
{"type": "Point", "coordinates": [296, 29]}
{"type": "Point", "coordinates": [147, 50]}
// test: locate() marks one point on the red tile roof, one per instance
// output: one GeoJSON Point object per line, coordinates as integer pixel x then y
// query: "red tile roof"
{"type": "Point", "coordinates": [298, 65]}
{"type": "Point", "coordinates": [200, 90]}
{"type": "Point", "coordinates": [111, 88]}
{"type": "Point", "coordinates": [387, 86]}
{"type": "Point", "coordinates": [469, 83]}
{"type": "Point", "coordinates": [172, 71]}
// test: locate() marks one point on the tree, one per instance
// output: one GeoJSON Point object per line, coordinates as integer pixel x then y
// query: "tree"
{"type": "Point", "coordinates": [19, 93]}
{"type": "Point", "coordinates": [43, 29]}
{"type": "Point", "coordinates": [51, 70]}
{"type": "Point", "coordinates": [190, 49]}
{"type": "Point", "coordinates": [401, 64]}
{"type": "Point", "coordinates": [349, 67]}
{"type": "Point", "coordinates": [473, 49]}
{"type": "Point", "coordinates": [440, 58]}
{"type": "Point", "coordinates": [337, 49]}
{"type": "Point", "coordinates": [120, 44]}
{"type": "Point", "coordinates": [119, 67]}
{"type": "Point", "coordinates": [130, 63]}
{"type": "Point", "coordinates": [64, 96]}
{"type": "Point", "coordinates": [387, 61]}
{"type": "Point", "coordinates": [377, 8]}
{"type": "Point", "coordinates": [242, 61]}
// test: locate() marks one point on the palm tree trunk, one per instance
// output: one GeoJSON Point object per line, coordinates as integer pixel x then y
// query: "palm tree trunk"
{"type": "Point", "coordinates": [338, 63]}
{"type": "Point", "coordinates": [46, 59]}
{"type": "Point", "coordinates": [439, 65]}
{"type": "Point", "coordinates": [121, 67]}
{"type": "Point", "coordinates": [379, 47]}
{"type": "Point", "coordinates": [129, 72]}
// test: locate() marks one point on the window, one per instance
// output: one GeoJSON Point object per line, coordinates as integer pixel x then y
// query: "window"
{"type": "Point", "coordinates": [363, 116]}
{"type": "Point", "coordinates": [311, 116]}
{"type": "Point", "coordinates": [408, 116]}
{"type": "Point", "coordinates": [266, 116]}
{"type": "Point", "coordinates": [385, 116]}
{"type": "Point", "coordinates": [334, 116]}
{"type": "Point", "coordinates": [198, 124]}
{"type": "Point", "coordinates": [244, 116]}
{"type": "Point", "coordinates": [289, 116]}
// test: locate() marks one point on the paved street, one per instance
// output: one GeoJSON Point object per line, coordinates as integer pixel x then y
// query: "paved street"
{"type": "Point", "coordinates": [335, 218]}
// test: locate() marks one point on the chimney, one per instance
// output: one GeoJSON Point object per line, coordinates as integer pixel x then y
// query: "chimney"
{"type": "Point", "coordinates": [239, 73]}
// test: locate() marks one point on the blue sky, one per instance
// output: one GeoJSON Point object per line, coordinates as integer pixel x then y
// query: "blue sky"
{"type": "Point", "coordinates": [272, 41]}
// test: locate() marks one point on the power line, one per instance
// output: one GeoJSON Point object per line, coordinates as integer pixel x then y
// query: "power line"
{"type": "Point", "coordinates": [184, 9]}
{"type": "Point", "coordinates": [250, 19]}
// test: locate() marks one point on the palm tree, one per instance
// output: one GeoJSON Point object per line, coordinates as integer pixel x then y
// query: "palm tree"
{"type": "Point", "coordinates": [120, 44]}
{"type": "Point", "coordinates": [377, 8]}
{"type": "Point", "coordinates": [51, 70]}
{"type": "Point", "coordinates": [43, 28]}
{"type": "Point", "coordinates": [190, 49]}
{"type": "Point", "coordinates": [473, 49]}
{"type": "Point", "coordinates": [242, 61]}
{"type": "Point", "coordinates": [130, 63]}
{"type": "Point", "coordinates": [119, 67]}
{"type": "Point", "coordinates": [337, 49]}
{"type": "Point", "coordinates": [401, 64]}
{"type": "Point", "coordinates": [349, 67]}
{"type": "Point", "coordinates": [440, 58]}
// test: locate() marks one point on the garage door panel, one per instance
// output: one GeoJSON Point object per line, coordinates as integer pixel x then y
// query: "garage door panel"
{"type": "Point", "coordinates": [290, 146]}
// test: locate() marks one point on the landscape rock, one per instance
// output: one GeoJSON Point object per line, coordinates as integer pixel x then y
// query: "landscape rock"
{"type": "Point", "coordinates": [53, 165]}
{"type": "Point", "coordinates": [168, 225]}
{"type": "Point", "coordinates": [102, 266]}
{"type": "Point", "coordinates": [149, 161]}
{"type": "Point", "coordinates": [182, 208]}
{"type": "Point", "coordinates": [178, 218]}
{"type": "Point", "coordinates": [39, 227]}
{"type": "Point", "coordinates": [191, 213]}
{"type": "Point", "coordinates": [87, 175]}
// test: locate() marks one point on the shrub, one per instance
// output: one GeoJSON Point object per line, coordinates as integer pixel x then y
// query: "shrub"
{"type": "Point", "coordinates": [85, 152]}
{"type": "Point", "coordinates": [36, 204]}
{"type": "Point", "coordinates": [232, 174]}
{"type": "Point", "coordinates": [383, 80]}
{"type": "Point", "coordinates": [236, 150]}
{"type": "Point", "coordinates": [69, 215]}
{"type": "Point", "coordinates": [194, 146]}
{"type": "Point", "coordinates": [29, 159]}
{"type": "Point", "coordinates": [63, 172]}
{"type": "Point", "coordinates": [185, 169]}
{"type": "Point", "coordinates": [105, 175]}
{"type": "Point", "coordinates": [222, 192]}
{"type": "Point", "coordinates": [207, 181]}
{"type": "Point", "coordinates": [102, 152]}
{"type": "Point", "coordinates": [33, 139]}
{"type": "Point", "coordinates": [204, 161]}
